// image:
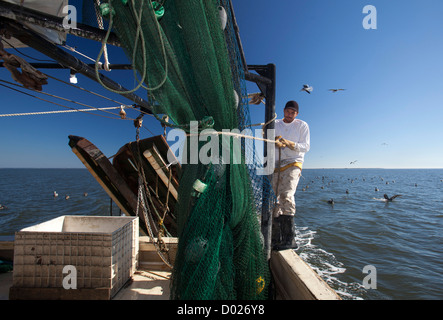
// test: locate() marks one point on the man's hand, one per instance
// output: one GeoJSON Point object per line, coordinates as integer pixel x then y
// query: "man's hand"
{"type": "Point", "coordinates": [283, 143]}
{"type": "Point", "coordinates": [278, 142]}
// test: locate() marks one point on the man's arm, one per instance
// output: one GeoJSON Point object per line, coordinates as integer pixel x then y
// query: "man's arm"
{"type": "Point", "coordinates": [304, 143]}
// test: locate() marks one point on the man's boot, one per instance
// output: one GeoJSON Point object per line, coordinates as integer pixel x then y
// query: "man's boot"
{"type": "Point", "coordinates": [287, 224]}
{"type": "Point", "coordinates": [277, 240]}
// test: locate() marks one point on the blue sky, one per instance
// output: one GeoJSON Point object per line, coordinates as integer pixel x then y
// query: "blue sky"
{"type": "Point", "coordinates": [389, 116]}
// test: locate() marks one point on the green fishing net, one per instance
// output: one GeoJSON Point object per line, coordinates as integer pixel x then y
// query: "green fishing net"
{"type": "Point", "coordinates": [191, 71]}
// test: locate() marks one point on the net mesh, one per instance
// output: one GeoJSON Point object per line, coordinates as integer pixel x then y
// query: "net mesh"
{"type": "Point", "coordinates": [192, 71]}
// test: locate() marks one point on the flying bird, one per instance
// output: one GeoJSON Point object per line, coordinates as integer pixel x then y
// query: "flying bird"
{"type": "Point", "coordinates": [352, 162]}
{"type": "Point", "coordinates": [335, 90]}
{"type": "Point", "coordinates": [391, 198]}
{"type": "Point", "coordinates": [307, 88]}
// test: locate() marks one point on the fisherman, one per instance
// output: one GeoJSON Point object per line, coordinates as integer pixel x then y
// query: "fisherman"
{"type": "Point", "coordinates": [292, 142]}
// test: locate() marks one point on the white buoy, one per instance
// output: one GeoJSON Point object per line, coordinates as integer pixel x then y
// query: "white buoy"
{"type": "Point", "coordinates": [199, 186]}
{"type": "Point", "coordinates": [223, 17]}
{"type": "Point", "coordinates": [237, 99]}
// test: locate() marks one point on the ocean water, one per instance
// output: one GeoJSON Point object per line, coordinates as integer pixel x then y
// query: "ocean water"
{"type": "Point", "coordinates": [401, 240]}
{"type": "Point", "coordinates": [28, 196]}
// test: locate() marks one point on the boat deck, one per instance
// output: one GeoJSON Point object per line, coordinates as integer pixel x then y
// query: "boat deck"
{"type": "Point", "coordinates": [150, 281]}
{"type": "Point", "coordinates": [294, 279]}
{"type": "Point", "coordinates": [144, 285]}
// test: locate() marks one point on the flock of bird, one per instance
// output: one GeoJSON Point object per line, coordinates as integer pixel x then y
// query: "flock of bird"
{"type": "Point", "coordinates": [331, 201]}
{"type": "Point", "coordinates": [308, 89]}
{"type": "Point", "coordinates": [257, 98]}
{"type": "Point", "coordinates": [55, 194]}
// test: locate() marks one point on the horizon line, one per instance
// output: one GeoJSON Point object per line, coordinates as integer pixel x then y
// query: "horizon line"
{"type": "Point", "coordinates": [312, 168]}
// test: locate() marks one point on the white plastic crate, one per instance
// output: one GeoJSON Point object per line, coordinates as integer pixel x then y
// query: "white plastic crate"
{"type": "Point", "coordinates": [103, 250]}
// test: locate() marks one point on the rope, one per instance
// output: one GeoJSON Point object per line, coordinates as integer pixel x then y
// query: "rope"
{"type": "Point", "coordinates": [100, 25]}
{"type": "Point", "coordinates": [167, 197]}
{"type": "Point", "coordinates": [101, 96]}
{"type": "Point", "coordinates": [278, 182]}
{"type": "Point", "coordinates": [86, 90]}
{"type": "Point", "coordinates": [78, 52]}
{"type": "Point", "coordinates": [157, 24]}
{"type": "Point", "coordinates": [139, 33]}
{"type": "Point", "coordinates": [49, 94]}
{"type": "Point", "coordinates": [97, 64]}
{"type": "Point", "coordinates": [70, 108]}
{"type": "Point", "coordinates": [53, 112]}
{"type": "Point", "coordinates": [9, 44]}
{"type": "Point", "coordinates": [264, 124]}
{"type": "Point", "coordinates": [237, 135]}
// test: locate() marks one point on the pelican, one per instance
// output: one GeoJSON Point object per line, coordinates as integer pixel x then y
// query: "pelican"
{"type": "Point", "coordinates": [391, 198]}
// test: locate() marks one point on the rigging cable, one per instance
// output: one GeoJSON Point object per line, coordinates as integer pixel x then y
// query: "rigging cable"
{"type": "Point", "coordinates": [97, 94]}
{"type": "Point", "coordinates": [88, 111]}
{"type": "Point", "coordinates": [54, 96]}
{"type": "Point", "coordinates": [9, 44]}
{"type": "Point", "coordinates": [53, 112]}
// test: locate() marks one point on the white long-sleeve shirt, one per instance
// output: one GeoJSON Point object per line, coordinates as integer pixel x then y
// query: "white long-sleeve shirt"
{"type": "Point", "coordinates": [297, 131]}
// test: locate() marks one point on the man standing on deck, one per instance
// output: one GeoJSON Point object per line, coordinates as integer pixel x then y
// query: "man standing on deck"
{"type": "Point", "coordinates": [292, 142]}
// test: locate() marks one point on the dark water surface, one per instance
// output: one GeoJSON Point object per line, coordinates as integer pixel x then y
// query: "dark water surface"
{"type": "Point", "coordinates": [402, 240]}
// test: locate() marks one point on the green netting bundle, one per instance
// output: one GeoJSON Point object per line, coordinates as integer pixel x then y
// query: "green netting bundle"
{"type": "Point", "coordinates": [185, 64]}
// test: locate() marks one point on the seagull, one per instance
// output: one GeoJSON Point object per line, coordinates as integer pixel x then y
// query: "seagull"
{"type": "Point", "coordinates": [391, 198]}
{"type": "Point", "coordinates": [335, 90]}
{"type": "Point", "coordinates": [352, 162]}
{"type": "Point", "coordinates": [307, 88]}
{"type": "Point", "coordinates": [55, 194]}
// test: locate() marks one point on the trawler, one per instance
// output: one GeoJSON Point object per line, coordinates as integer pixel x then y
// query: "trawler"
{"type": "Point", "coordinates": [202, 231]}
